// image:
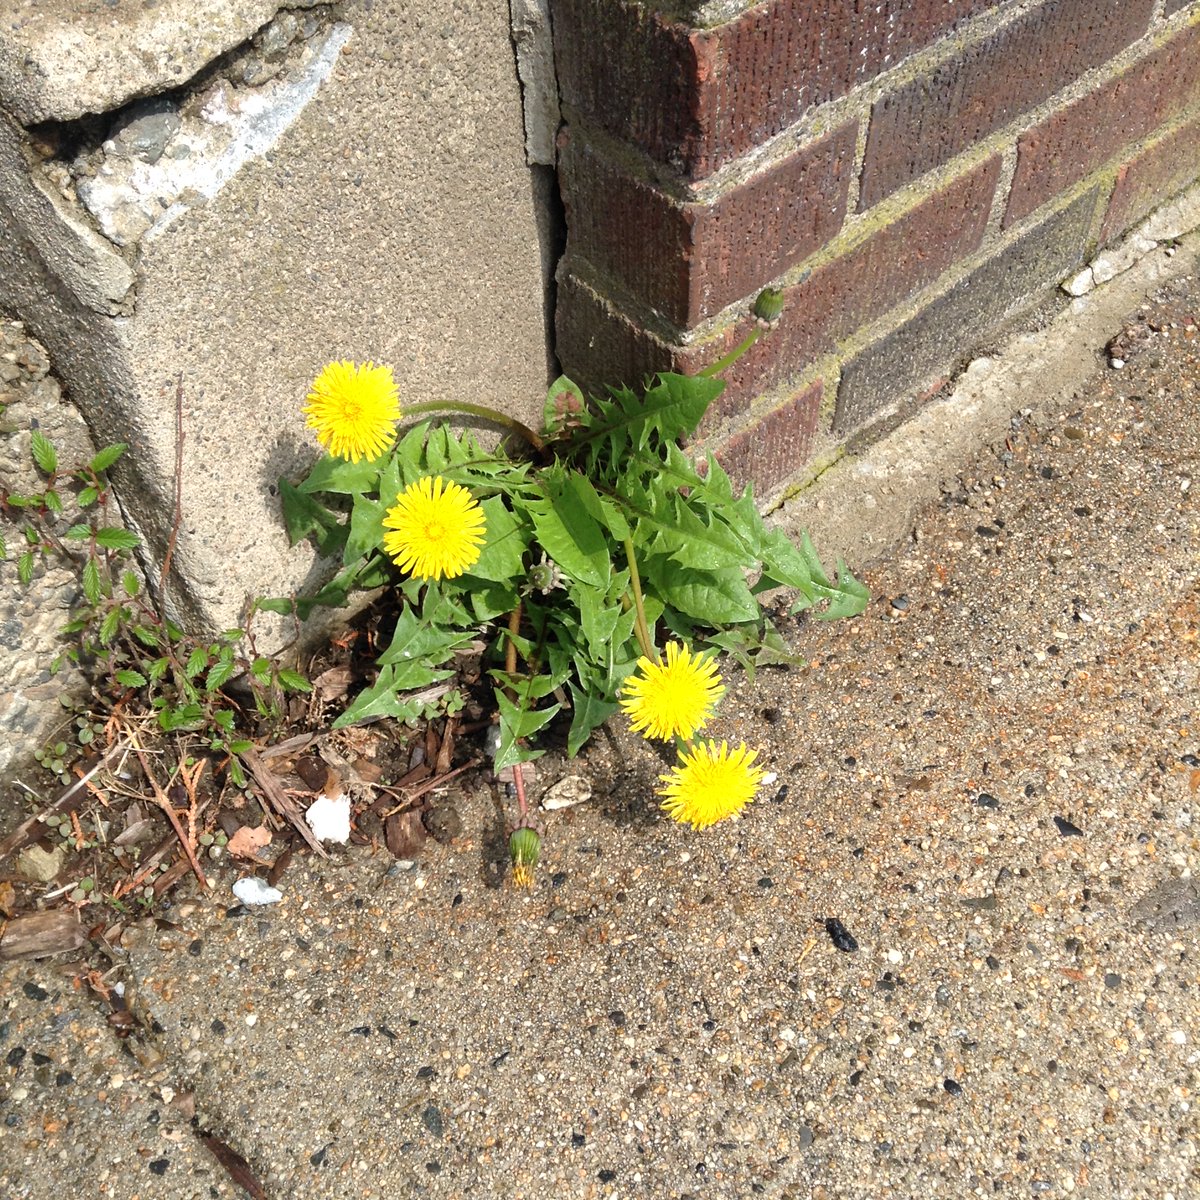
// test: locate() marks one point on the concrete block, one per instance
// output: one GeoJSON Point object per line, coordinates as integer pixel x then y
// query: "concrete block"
{"type": "Point", "coordinates": [61, 59]}
{"type": "Point", "coordinates": [325, 189]}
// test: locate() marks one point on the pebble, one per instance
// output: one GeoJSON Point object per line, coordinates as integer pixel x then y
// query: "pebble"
{"type": "Point", "coordinates": [1066, 828]}
{"type": "Point", "coordinates": [567, 792]}
{"type": "Point", "coordinates": [252, 890]}
{"type": "Point", "coordinates": [953, 1087]}
{"type": "Point", "coordinates": [841, 937]}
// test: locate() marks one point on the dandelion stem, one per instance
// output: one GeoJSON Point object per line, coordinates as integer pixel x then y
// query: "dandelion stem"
{"type": "Point", "coordinates": [729, 359]}
{"type": "Point", "coordinates": [478, 410]}
{"type": "Point", "coordinates": [635, 584]}
{"type": "Point", "coordinates": [510, 669]}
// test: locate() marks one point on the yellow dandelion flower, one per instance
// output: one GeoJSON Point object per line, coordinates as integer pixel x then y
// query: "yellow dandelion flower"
{"type": "Point", "coordinates": [354, 409]}
{"type": "Point", "coordinates": [673, 700]}
{"type": "Point", "coordinates": [438, 529]}
{"type": "Point", "coordinates": [710, 783]}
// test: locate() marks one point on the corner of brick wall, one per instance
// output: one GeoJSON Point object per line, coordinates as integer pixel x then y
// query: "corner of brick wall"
{"type": "Point", "coordinates": [911, 173]}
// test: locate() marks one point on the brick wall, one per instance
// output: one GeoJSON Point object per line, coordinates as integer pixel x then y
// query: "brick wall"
{"type": "Point", "coordinates": [912, 172]}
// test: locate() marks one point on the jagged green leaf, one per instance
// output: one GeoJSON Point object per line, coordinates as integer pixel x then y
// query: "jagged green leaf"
{"type": "Point", "coordinates": [90, 579]}
{"type": "Point", "coordinates": [43, 452]}
{"type": "Point", "coordinates": [340, 476]}
{"type": "Point", "coordinates": [568, 533]}
{"type": "Point", "coordinates": [105, 458]}
{"type": "Point", "coordinates": [517, 722]}
{"type": "Point", "coordinates": [718, 597]}
{"type": "Point", "coordinates": [293, 681]}
{"type": "Point", "coordinates": [302, 516]}
{"type": "Point", "coordinates": [588, 713]}
{"type": "Point", "coordinates": [507, 539]}
{"type": "Point", "coordinates": [112, 538]}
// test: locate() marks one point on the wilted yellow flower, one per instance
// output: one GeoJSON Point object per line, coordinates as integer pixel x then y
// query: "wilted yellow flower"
{"type": "Point", "coordinates": [438, 529]}
{"type": "Point", "coordinates": [710, 783]}
{"type": "Point", "coordinates": [354, 409]}
{"type": "Point", "coordinates": [675, 700]}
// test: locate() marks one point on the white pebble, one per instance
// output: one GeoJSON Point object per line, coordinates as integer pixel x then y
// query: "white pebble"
{"type": "Point", "coordinates": [329, 818]}
{"type": "Point", "coordinates": [252, 890]}
{"type": "Point", "coordinates": [894, 956]}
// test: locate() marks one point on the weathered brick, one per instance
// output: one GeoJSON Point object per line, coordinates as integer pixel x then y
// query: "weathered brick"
{"type": "Point", "coordinates": [901, 363]}
{"type": "Point", "coordinates": [770, 451]}
{"type": "Point", "coordinates": [1070, 143]}
{"type": "Point", "coordinates": [932, 118]}
{"type": "Point", "coordinates": [1153, 177]}
{"type": "Point", "coordinates": [689, 260]}
{"type": "Point", "coordinates": [598, 345]}
{"type": "Point", "coordinates": [697, 98]}
{"type": "Point", "coordinates": [856, 287]}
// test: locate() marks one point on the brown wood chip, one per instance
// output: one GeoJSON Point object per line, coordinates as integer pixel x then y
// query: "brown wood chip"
{"type": "Point", "coordinates": [38, 935]}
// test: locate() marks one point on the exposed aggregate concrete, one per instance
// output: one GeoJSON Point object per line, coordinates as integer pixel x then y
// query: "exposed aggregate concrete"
{"type": "Point", "coordinates": [990, 779]}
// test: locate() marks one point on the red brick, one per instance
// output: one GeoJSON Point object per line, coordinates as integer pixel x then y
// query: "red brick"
{"type": "Point", "coordinates": [689, 260]}
{"type": "Point", "coordinates": [901, 364]}
{"type": "Point", "coordinates": [1070, 143]}
{"type": "Point", "coordinates": [770, 452]}
{"type": "Point", "coordinates": [697, 98]}
{"type": "Point", "coordinates": [932, 118]}
{"type": "Point", "coordinates": [598, 346]}
{"type": "Point", "coordinates": [860, 285]}
{"type": "Point", "coordinates": [1153, 177]}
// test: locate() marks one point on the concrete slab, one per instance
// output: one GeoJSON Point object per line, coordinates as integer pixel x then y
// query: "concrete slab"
{"type": "Point", "coordinates": [62, 59]}
{"type": "Point", "coordinates": [367, 199]}
{"type": "Point", "coordinates": [988, 779]}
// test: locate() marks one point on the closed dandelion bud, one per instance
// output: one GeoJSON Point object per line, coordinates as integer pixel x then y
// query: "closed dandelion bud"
{"type": "Point", "coordinates": [524, 848]}
{"type": "Point", "coordinates": [769, 304]}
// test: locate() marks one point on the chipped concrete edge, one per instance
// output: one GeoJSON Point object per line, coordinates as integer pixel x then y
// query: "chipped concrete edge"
{"type": "Point", "coordinates": [865, 505]}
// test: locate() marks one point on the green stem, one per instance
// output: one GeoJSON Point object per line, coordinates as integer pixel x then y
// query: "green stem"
{"type": "Point", "coordinates": [640, 627]}
{"type": "Point", "coordinates": [478, 410]}
{"type": "Point", "coordinates": [734, 354]}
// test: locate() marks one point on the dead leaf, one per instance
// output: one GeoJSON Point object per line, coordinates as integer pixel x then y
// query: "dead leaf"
{"type": "Point", "coordinates": [404, 833]}
{"type": "Point", "coordinates": [333, 684]}
{"type": "Point", "coordinates": [8, 897]}
{"type": "Point", "coordinates": [236, 1166]}
{"type": "Point", "coordinates": [248, 841]}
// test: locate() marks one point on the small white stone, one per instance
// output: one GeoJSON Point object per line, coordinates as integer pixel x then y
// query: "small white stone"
{"type": "Point", "coordinates": [329, 818]}
{"type": "Point", "coordinates": [1081, 284]}
{"type": "Point", "coordinates": [895, 956]}
{"type": "Point", "coordinates": [567, 792]}
{"type": "Point", "coordinates": [1116, 363]}
{"type": "Point", "coordinates": [1178, 1037]}
{"type": "Point", "coordinates": [252, 890]}
{"type": "Point", "coordinates": [252, 1019]}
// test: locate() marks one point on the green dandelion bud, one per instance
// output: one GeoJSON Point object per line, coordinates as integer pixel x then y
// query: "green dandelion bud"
{"type": "Point", "coordinates": [524, 848]}
{"type": "Point", "coordinates": [769, 304]}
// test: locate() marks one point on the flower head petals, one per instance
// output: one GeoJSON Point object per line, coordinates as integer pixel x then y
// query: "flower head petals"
{"type": "Point", "coordinates": [674, 700]}
{"type": "Point", "coordinates": [437, 529]}
{"type": "Point", "coordinates": [710, 783]}
{"type": "Point", "coordinates": [353, 409]}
